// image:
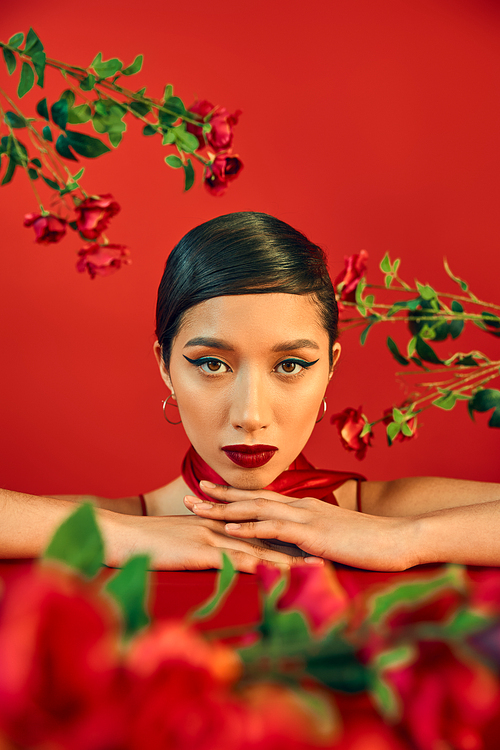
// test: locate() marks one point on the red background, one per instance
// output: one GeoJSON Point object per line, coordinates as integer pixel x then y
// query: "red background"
{"type": "Point", "coordinates": [366, 124]}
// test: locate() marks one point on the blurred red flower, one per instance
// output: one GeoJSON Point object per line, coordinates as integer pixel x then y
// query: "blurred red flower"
{"type": "Point", "coordinates": [220, 137]}
{"type": "Point", "coordinates": [221, 172]}
{"type": "Point", "coordinates": [350, 424]}
{"type": "Point", "coordinates": [448, 699]}
{"type": "Point", "coordinates": [102, 260]}
{"type": "Point", "coordinates": [93, 215]}
{"type": "Point", "coordinates": [351, 275]}
{"type": "Point", "coordinates": [48, 229]}
{"type": "Point", "coordinates": [60, 678]}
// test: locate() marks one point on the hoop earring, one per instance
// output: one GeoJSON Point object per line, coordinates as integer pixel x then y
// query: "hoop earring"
{"type": "Point", "coordinates": [324, 411]}
{"type": "Point", "coordinates": [164, 412]}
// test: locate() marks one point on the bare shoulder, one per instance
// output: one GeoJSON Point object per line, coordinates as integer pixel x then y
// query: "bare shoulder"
{"type": "Point", "coordinates": [168, 500]}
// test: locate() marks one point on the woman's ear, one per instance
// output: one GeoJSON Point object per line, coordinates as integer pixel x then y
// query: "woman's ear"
{"type": "Point", "coordinates": [162, 366]}
{"type": "Point", "coordinates": [336, 350]}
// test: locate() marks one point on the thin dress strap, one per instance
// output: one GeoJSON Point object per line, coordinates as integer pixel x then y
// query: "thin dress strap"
{"type": "Point", "coordinates": [144, 507]}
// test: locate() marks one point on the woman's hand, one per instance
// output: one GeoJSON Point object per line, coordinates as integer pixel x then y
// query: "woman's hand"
{"type": "Point", "coordinates": [187, 543]}
{"type": "Point", "coordinates": [320, 529]}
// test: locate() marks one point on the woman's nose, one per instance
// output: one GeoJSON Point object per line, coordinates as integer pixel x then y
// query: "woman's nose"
{"type": "Point", "coordinates": [251, 407]}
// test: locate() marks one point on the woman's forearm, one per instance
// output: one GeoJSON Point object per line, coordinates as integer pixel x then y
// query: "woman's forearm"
{"type": "Point", "coordinates": [469, 535]}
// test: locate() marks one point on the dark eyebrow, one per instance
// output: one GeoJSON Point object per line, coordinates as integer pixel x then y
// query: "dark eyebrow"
{"type": "Point", "coordinates": [287, 346]}
{"type": "Point", "coordinates": [210, 342]}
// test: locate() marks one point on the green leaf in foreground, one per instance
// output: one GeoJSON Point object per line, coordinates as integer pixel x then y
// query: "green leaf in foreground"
{"type": "Point", "coordinates": [10, 60]}
{"type": "Point", "coordinates": [9, 173]}
{"type": "Point", "coordinates": [47, 133]}
{"type": "Point", "coordinates": [14, 120]}
{"type": "Point", "coordinates": [42, 109]}
{"type": "Point", "coordinates": [485, 399]}
{"type": "Point", "coordinates": [62, 148]}
{"type": "Point", "coordinates": [16, 40]}
{"type": "Point", "coordinates": [129, 588]}
{"type": "Point", "coordinates": [225, 581]}
{"type": "Point", "coordinates": [188, 175]}
{"type": "Point", "coordinates": [27, 80]}
{"type": "Point", "coordinates": [173, 161]}
{"type": "Point", "coordinates": [426, 352]}
{"type": "Point", "coordinates": [134, 68]}
{"type": "Point", "coordinates": [393, 348]}
{"type": "Point", "coordinates": [78, 542]}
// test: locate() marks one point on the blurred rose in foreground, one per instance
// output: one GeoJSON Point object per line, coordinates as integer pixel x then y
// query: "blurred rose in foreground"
{"type": "Point", "coordinates": [102, 260]}
{"type": "Point", "coordinates": [48, 229]}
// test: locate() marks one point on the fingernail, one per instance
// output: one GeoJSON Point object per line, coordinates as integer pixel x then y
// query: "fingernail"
{"type": "Point", "coordinates": [203, 506]}
{"type": "Point", "coordinates": [233, 526]}
{"type": "Point", "coordinates": [210, 485]}
{"type": "Point", "coordinates": [314, 561]}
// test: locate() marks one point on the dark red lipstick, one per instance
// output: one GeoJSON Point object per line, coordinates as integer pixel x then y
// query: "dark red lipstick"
{"type": "Point", "coordinates": [250, 456]}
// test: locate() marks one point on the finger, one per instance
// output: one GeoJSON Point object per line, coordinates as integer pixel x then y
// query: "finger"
{"type": "Point", "coordinates": [233, 494]}
{"type": "Point", "coordinates": [260, 508]}
{"type": "Point", "coordinates": [260, 552]}
{"type": "Point", "coordinates": [284, 531]}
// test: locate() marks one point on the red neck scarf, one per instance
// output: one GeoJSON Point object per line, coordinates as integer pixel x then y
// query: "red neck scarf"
{"type": "Point", "coordinates": [300, 480]}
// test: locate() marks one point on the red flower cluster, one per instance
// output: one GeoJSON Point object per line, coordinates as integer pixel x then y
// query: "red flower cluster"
{"type": "Point", "coordinates": [350, 276]}
{"type": "Point", "coordinates": [350, 424]}
{"type": "Point", "coordinates": [225, 166]}
{"type": "Point", "coordinates": [65, 683]}
{"type": "Point", "coordinates": [92, 219]}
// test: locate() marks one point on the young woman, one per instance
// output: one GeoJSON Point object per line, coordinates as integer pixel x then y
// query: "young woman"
{"type": "Point", "coordinates": [247, 329]}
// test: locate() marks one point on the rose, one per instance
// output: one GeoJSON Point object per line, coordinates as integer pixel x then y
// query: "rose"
{"type": "Point", "coordinates": [102, 260]}
{"type": "Point", "coordinates": [93, 215]}
{"type": "Point", "coordinates": [354, 270]}
{"type": "Point", "coordinates": [401, 437]}
{"type": "Point", "coordinates": [350, 423]}
{"type": "Point", "coordinates": [60, 682]}
{"type": "Point", "coordinates": [220, 137]}
{"type": "Point", "coordinates": [223, 170]}
{"type": "Point", "coordinates": [48, 228]}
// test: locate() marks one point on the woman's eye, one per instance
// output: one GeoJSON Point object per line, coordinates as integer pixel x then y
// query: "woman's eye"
{"type": "Point", "coordinates": [291, 367]}
{"type": "Point", "coordinates": [213, 366]}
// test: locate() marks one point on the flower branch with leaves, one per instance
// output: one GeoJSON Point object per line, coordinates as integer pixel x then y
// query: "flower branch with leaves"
{"type": "Point", "coordinates": [427, 316]}
{"type": "Point", "coordinates": [202, 133]}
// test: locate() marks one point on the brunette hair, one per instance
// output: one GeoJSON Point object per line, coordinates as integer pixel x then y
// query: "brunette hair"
{"type": "Point", "coordinates": [241, 253]}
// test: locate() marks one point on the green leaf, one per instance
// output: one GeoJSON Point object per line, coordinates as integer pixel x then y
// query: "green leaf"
{"type": "Point", "coordinates": [417, 361]}
{"type": "Point", "coordinates": [16, 40]}
{"type": "Point", "coordinates": [128, 588]}
{"type": "Point", "coordinates": [15, 150]}
{"type": "Point", "coordinates": [62, 148]}
{"type": "Point", "coordinates": [79, 174]}
{"type": "Point", "coordinates": [9, 174]}
{"type": "Point", "coordinates": [10, 60]}
{"type": "Point", "coordinates": [188, 175]}
{"type": "Point", "coordinates": [149, 130]}
{"type": "Point", "coordinates": [388, 280]}
{"type": "Point", "coordinates": [78, 542]}
{"type": "Point", "coordinates": [173, 161]}
{"type": "Point", "coordinates": [467, 361]}
{"type": "Point", "coordinates": [365, 331]}
{"type": "Point", "coordinates": [42, 109]}
{"type": "Point", "coordinates": [50, 183]}
{"type": "Point", "coordinates": [69, 96]}
{"type": "Point", "coordinates": [59, 112]}
{"type": "Point", "coordinates": [446, 402]}
{"type": "Point", "coordinates": [86, 145]}
{"type": "Point", "coordinates": [140, 108]}
{"type": "Point", "coordinates": [385, 264]}
{"type": "Point", "coordinates": [107, 68]}
{"type": "Point", "coordinates": [426, 352]}
{"type": "Point", "coordinates": [487, 398]}
{"type": "Point", "coordinates": [175, 107]}
{"type": "Point", "coordinates": [168, 137]}
{"type": "Point", "coordinates": [490, 322]}
{"type": "Point", "coordinates": [33, 174]}
{"type": "Point", "coordinates": [185, 141]}
{"type": "Point", "coordinates": [393, 348]}
{"type": "Point", "coordinates": [79, 114]}
{"type": "Point", "coordinates": [426, 291]}
{"type": "Point", "coordinates": [226, 579]}
{"type": "Point", "coordinates": [456, 326]}
{"type": "Point", "coordinates": [386, 698]}
{"type": "Point", "coordinates": [406, 429]}
{"type": "Point", "coordinates": [36, 162]}
{"type": "Point", "coordinates": [14, 120]}
{"type": "Point", "coordinates": [87, 84]}
{"type": "Point", "coordinates": [39, 60]}
{"type": "Point", "coordinates": [169, 91]}
{"type": "Point", "coordinates": [392, 430]}
{"type": "Point", "coordinates": [395, 658]}
{"type": "Point", "coordinates": [47, 133]}
{"type": "Point", "coordinates": [33, 43]}
{"type": "Point", "coordinates": [462, 283]}
{"type": "Point", "coordinates": [398, 415]}
{"type": "Point", "coordinates": [366, 429]}
{"type": "Point", "coordinates": [412, 343]}
{"type": "Point", "coordinates": [136, 66]}
{"type": "Point", "coordinates": [369, 300]}
{"type": "Point", "coordinates": [27, 80]}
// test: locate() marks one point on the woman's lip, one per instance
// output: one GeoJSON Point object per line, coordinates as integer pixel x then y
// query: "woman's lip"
{"type": "Point", "coordinates": [251, 460]}
{"type": "Point", "coordinates": [249, 448]}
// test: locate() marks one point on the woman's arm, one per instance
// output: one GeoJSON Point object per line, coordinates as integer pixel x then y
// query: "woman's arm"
{"type": "Point", "coordinates": [467, 534]}
{"type": "Point", "coordinates": [129, 505]}
{"type": "Point", "coordinates": [173, 542]}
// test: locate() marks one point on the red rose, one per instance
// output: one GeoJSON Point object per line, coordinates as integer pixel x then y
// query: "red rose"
{"type": "Point", "coordinates": [355, 267]}
{"type": "Point", "coordinates": [102, 260]}
{"type": "Point", "coordinates": [401, 437]}
{"type": "Point", "coordinates": [223, 169]}
{"type": "Point", "coordinates": [220, 137]}
{"type": "Point", "coordinates": [93, 215]}
{"type": "Point", "coordinates": [448, 699]}
{"type": "Point", "coordinates": [60, 681]}
{"type": "Point", "coordinates": [350, 424]}
{"type": "Point", "coordinates": [48, 228]}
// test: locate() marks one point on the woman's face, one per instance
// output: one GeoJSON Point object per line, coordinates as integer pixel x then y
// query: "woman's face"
{"type": "Point", "coordinates": [250, 370]}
